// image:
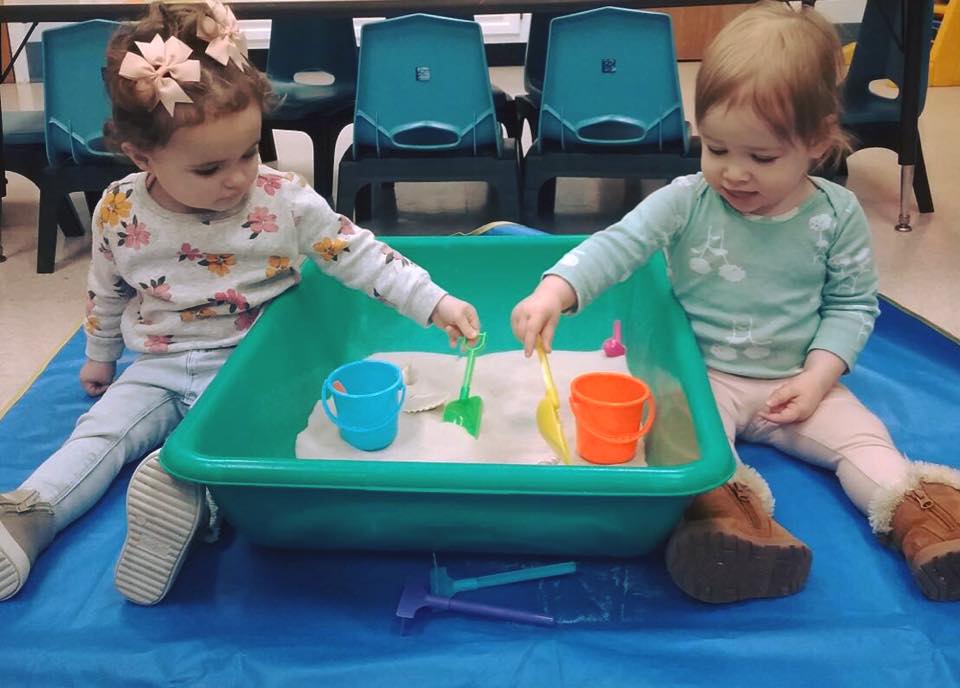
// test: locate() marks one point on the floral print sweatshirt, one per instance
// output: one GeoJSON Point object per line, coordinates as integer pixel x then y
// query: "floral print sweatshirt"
{"type": "Point", "coordinates": [164, 282]}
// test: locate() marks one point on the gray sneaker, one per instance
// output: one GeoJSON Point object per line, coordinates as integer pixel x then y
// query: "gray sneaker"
{"type": "Point", "coordinates": [164, 515]}
{"type": "Point", "coordinates": [26, 527]}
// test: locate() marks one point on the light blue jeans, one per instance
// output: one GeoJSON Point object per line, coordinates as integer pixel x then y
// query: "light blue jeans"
{"type": "Point", "coordinates": [133, 417]}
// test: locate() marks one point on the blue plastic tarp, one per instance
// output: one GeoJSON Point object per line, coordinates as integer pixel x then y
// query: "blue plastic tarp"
{"type": "Point", "coordinates": [241, 614]}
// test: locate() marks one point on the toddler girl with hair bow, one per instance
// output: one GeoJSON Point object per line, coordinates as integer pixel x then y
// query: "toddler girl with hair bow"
{"type": "Point", "coordinates": [186, 254]}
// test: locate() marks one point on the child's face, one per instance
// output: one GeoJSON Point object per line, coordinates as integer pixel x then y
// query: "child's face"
{"type": "Point", "coordinates": [208, 166]}
{"type": "Point", "coordinates": [754, 170]}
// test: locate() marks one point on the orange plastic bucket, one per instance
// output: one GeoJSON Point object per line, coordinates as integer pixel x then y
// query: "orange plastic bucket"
{"type": "Point", "coordinates": [610, 409]}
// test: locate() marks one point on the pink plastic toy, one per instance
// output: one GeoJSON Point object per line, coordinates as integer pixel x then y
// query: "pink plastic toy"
{"type": "Point", "coordinates": [613, 346]}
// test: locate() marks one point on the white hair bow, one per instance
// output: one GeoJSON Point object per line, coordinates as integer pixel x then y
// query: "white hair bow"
{"type": "Point", "coordinates": [163, 65]}
{"type": "Point", "coordinates": [222, 32]}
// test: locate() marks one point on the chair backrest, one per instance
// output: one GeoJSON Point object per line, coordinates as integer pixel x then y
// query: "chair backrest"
{"type": "Point", "coordinates": [611, 80]}
{"type": "Point", "coordinates": [76, 104]}
{"type": "Point", "coordinates": [535, 59]}
{"type": "Point", "coordinates": [312, 44]}
{"type": "Point", "coordinates": [423, 85]}
{"type": "Point", "coordinates": [22, 127]}
{"type": "Point", "coordinates": [879, 54]}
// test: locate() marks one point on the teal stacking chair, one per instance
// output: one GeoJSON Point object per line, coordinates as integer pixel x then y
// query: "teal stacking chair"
{"type": "Point", "coordinates": [503, 102]}
{"type": "Point", "coordinates": [611, 104]}
{"type": "Point", "coordinates": [534, 66]}
{"type": "Point", "coordinates": [874, 120]}
{"type": "Point", "coordinates": [24, 152]}
{"type": "Point", "coordinates": [312, 67]}
{"type": "Point", "coordinates": [75, 109]}
{"type": "Point", "coordinates": [75, 99]}
{"type": "Point", "coordinates": [425, 112]}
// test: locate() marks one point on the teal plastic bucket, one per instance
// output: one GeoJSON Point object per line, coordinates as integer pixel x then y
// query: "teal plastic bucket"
{"type": "Point", "coordinates": [368, 403]}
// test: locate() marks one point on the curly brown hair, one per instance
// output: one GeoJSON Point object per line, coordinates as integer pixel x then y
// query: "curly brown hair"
{"type": "Point", "coordinates": [221, 90]}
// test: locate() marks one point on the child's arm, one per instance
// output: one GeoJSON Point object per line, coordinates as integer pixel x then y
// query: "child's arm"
{"type": "Point", "coordinates": [356, 258]}
{"type": "Point", "coordinates": [603, 260]}
{"type": "Point", "coordinates": [107, 297]}
{"type": "Point", "coordinates": [848, 300]}
{"type": "Point", "coordinates": [847, 313]}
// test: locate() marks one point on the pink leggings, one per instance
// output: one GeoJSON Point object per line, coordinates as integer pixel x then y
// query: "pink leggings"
{"type": "Point", "coordinates": [841, 435]}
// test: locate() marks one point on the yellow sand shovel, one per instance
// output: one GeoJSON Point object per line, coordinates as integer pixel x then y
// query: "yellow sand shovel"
{"type": "Point", "coordinates": [548, 411]}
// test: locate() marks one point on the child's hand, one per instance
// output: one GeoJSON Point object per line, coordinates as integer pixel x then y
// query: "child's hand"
{"type": "Point", "coordinates": [457, 318]}
{"type": "Point", "coordinates": [539, 313]}
{"type": "Point", "coordinates": [797, 398]}
{"type": "Point", "coordinates": [96, 376]}
{"type": "Point", "coordinates": [793, 401]}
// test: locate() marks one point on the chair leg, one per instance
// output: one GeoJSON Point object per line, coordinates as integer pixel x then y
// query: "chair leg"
{"type": "Point", "coordinates": [531, 191]}
{"type": "Point", "coordinates": [363, 209]}
{"type": "Point", "coordinates": [547, 197]}
{"type": "Point", "coordinates": [539, 189]}
{"type": "Point", "coordinates": [508, 192]}
{"type": "Point", "coordinates": [511, 120]}
{"type": "Point", "coordinates": [268, 146]}
{"type": "Point", "coordinates": [47, 227]}
{"type": "Point", "coordinates": [69, 219]}
{"type": "Point", "coordinates": [383, 200]}
{"type": "Point", "coordinates": [346, 194]}
{"type": "Point", "coordinates": [3, 258]}
{"type": "Point", "coordinates": [322, 161]}
{"type": "Point", "coordinates": [92, 198]}
{"type": "Point", "coordinates": [526, 113]}
{"type": "Point", "coordinates": [921, 185]}
{"type": "Point", "coordinates": [332, 134]}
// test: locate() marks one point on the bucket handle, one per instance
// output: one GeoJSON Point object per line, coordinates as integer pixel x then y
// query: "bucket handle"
{"type": "Point", "coordinates": [327, 393]}
{"type": "Point", "coordinates": [617, 439]}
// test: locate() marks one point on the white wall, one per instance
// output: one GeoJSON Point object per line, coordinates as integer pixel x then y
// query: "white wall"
{"type": "Point", "coordinates": [842, 11]}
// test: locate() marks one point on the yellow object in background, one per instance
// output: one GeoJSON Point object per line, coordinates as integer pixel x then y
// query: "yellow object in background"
{"type": "Point", "coordinates": [848, 52]}
{"type": "Point", "coordinates": [945, 51]}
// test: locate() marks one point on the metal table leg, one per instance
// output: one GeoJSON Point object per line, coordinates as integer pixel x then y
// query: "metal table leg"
{"type": "Point", "coordinates": [909, 105]}
{"type": "Point", "coordinates": [906, 187]}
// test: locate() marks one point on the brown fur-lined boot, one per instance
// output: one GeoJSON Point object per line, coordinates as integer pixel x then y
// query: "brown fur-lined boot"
{"type": "Point", "coordinates": [728, 547]}
{"type": "Point", "coordinates": [922, 519]}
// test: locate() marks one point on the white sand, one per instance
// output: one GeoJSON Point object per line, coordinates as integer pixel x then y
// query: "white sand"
{"type": "Point", "coordinates": [510, 385]}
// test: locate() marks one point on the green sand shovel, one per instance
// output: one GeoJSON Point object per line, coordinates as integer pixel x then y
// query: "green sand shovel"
{"type": "Point", "coordinates": [466, 410]}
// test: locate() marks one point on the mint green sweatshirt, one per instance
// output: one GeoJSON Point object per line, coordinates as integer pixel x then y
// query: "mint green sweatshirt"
{"type": "Point", "coordinates": [760, 292]}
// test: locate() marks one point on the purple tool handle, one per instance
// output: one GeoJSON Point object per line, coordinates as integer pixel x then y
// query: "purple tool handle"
{"type": "Point", "coordinates": [453, 605]}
